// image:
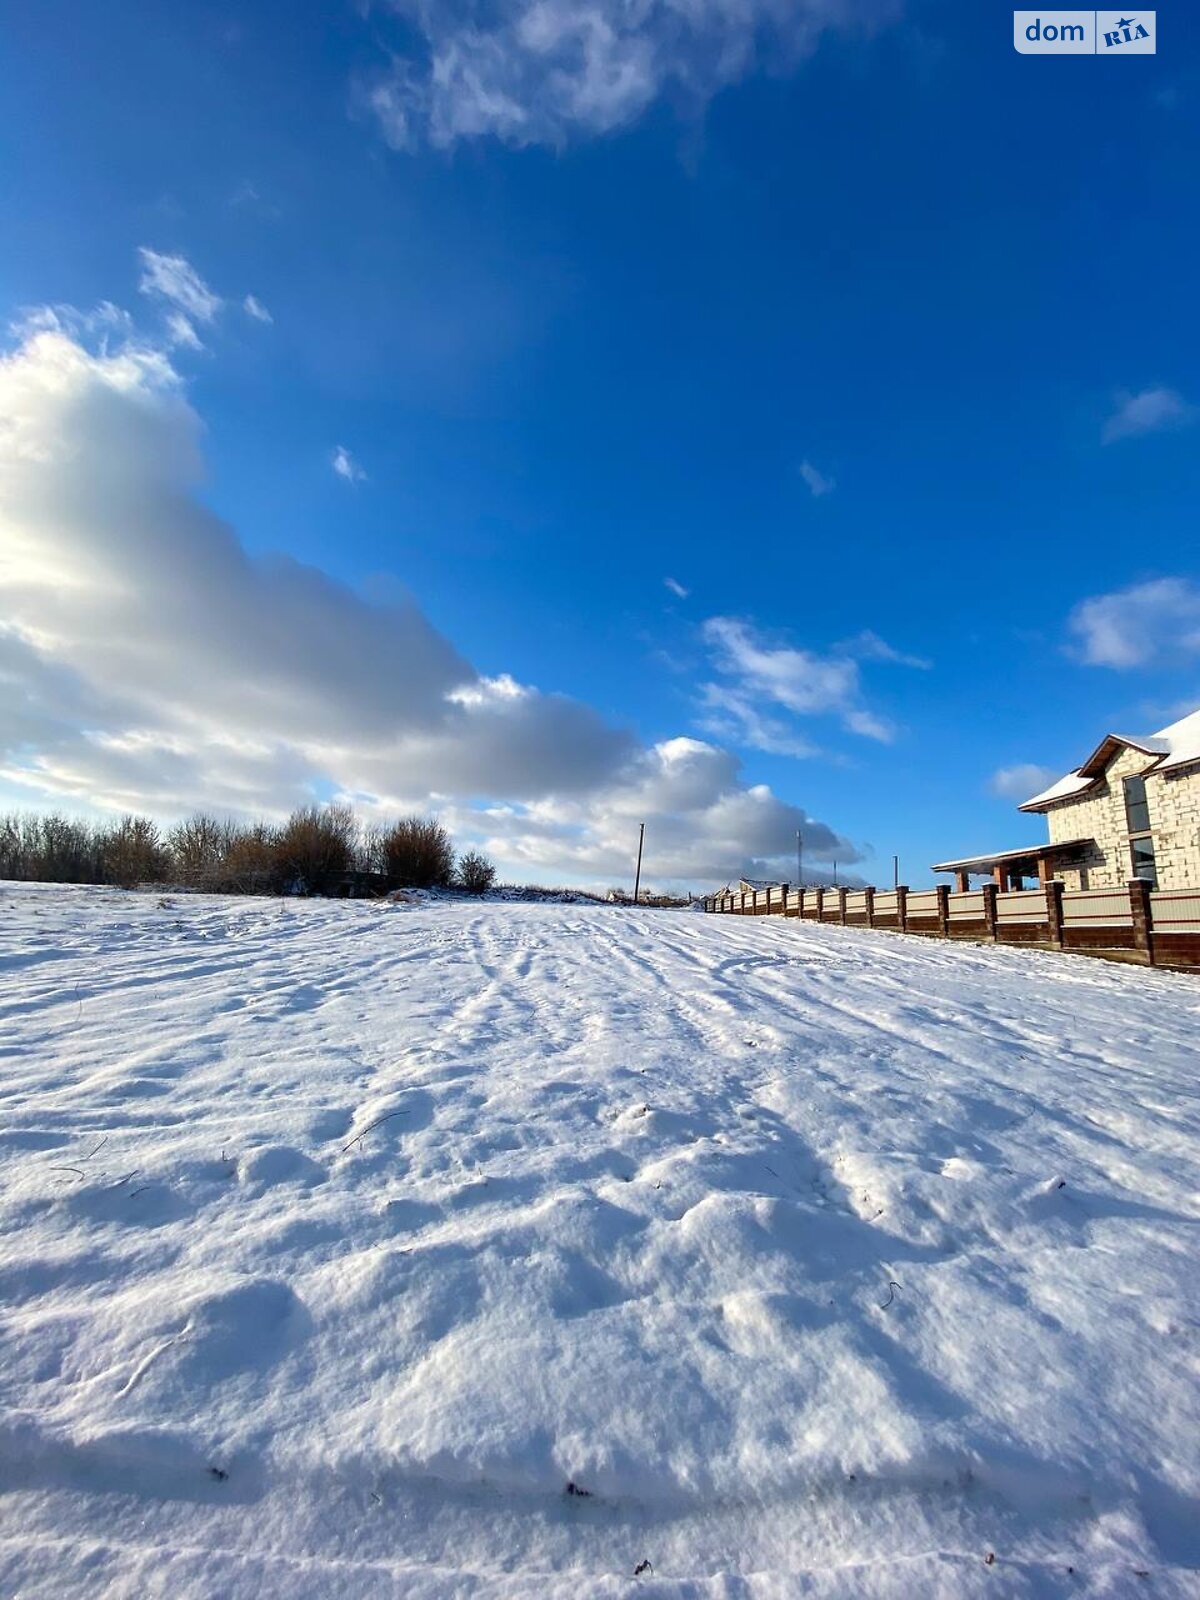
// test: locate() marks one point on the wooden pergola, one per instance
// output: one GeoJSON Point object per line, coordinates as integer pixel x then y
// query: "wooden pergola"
{"type": "Point", "coordinates": [1007, 867]}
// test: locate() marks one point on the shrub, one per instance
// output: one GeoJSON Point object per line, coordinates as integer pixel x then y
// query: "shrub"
{"type": "Point", "coordinates": [251, 861]}
{"type": "Point", "coordinates": [416, 852]}
{"type": "Point", "coordinates": [316, 843]}
{"type": "Point", "coordinates": [476, 874]}
{"type": "Point", "coordinates": [133, 853]}
{"type": "Point", "coordinates": [198, 849]}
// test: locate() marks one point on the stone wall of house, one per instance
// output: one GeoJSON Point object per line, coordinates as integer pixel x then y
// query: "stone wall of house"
{"type": "Point", "coordinates": [1175, 823]}
{"type": "Point", "coordinates": [1174, 801]}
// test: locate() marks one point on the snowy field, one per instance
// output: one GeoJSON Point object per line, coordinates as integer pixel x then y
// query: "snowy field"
{"type": "Point", "coordinates": [360, 1250]}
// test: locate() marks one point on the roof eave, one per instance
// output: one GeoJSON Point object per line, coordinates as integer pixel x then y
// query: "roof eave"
{"type": "Point", "coordinates": [1099, 758]}
{"type": "Point", "coordinates": [1021, 853]}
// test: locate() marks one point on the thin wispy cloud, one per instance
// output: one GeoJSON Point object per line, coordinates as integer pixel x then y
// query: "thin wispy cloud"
{"type": "Point", "coordinates": [344, 464]}
{"type": "Point", "coordinates": [1148, 411]}
{"type": "Point", "coordinates": [548, 71]}
{"type": "Point", "coordinates": [818, 483]}
{"type": "Point", "coordinates": [676, 588]}
{"type": "Point", "coordinates": [763, 686]}
{"type": "Point", "coordinates": [1138, 626]}
{"type": "Point", "coordinates": [868, 646]}
{"type": "Point", "coordinates": [181, 332]}
{"type": "Point", "coordinates": [175, 280]}
{"type": "Point", "coordinates": [187, 302]}
{"type": "Point", "coordinates": [738, 714]}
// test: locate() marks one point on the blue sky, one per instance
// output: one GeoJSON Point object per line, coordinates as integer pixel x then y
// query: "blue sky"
{"type": "Point", "coordinates": [873, 336]}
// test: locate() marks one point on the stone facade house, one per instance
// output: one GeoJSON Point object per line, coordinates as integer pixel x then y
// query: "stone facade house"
{"type": "Point", "coordinates": [1132, 810]}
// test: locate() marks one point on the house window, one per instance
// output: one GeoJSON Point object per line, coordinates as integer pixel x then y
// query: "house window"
{"type": "Point", "coordinates": [1143, 860]}
{"type": "Point", "coordinates": [1137, 808]}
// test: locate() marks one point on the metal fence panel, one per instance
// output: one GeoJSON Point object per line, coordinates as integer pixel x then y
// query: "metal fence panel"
{"type": "Point", "coordinates": [1021, 905]}
{"type": "Point", "coordinates": [1175, 910]}
{"type": "Point", "coordinates": [1097, 908]}
{"type": "Point", "coordinates": [923, 903]}
{"type": "Point", "coordinates": [966, 907]}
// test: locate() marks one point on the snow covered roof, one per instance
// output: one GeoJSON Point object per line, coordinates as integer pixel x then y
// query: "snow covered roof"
{"type": "Point", "coordinates": [1176, 745]}
{"type": "Point", "coordinates": [1028, 852]}
{"type": "Point", "coordinates": [1182, 739]}
{"type": "Point", "coordinates": [1073, 783]}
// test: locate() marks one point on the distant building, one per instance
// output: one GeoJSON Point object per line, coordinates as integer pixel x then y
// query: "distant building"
{"type": "Point", "coordinates": [747, 885]}
{"type": "Point", "coordinates": [1132, 810]}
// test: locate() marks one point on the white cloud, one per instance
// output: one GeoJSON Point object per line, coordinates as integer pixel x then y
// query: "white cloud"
{"type": "Point", "coordinates": [868, 646]}
{"type": "Point", "coordinates": [799, 680]}
{"type": "Point", "coordinates": [1136, 626]}
{"type": "Point", "coordinates": [701, 825]}
{"type": "Point", "coordinates": [175, 280]}
{"type": "Point", "coordinates": [817, 482]}
{"type": "Point", "coordinates": [344, 464]}
{"type": "Point", "coordinates": [103, 323]}
{"type": "Point", "coordinates": [180, 332]}
{"type": "Point", "coordinates": [735, 714]}
{"type": "Point", "coordinates": [1148, 411]}
{"type": "Point", "coordinates": [676, 588]}
{"type": "Point", "coordinates": [545, 71]}
{"type": "Point", "coordinates": [1022, 781]}
{"type": "Point", "coordinates": [187, 299]}
{"type": "Point", "coordinates": [149, 661]}
{"type": "Point", "coordinates": [762, 679]}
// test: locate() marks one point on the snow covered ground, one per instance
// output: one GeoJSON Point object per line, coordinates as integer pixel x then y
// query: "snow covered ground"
{"type": "Point", "coordinates": [452, 1250]}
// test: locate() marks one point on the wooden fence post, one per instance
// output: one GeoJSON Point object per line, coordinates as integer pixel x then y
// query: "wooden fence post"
{"type": "Point", "coordinates": [783, 908]}
{"type": "Point", "coordinates": [902, 907]}
{"type": "Point", "coordinates": [842, 906]}
{"type": "Point", "coordinates": [820, 903]}
{"type": "Point", "coordinates": [870, 899]}
{"type": "Point", "coordinates": [1054, 911]}
{"type": "Point", "coordinates": [742, 907]}
{"type": "Point", "coordinates": [943, 909]}
{"type": "Point", "coordinates": [990, 919]}
{"type": "Point", "coordinates": [1143, 918]}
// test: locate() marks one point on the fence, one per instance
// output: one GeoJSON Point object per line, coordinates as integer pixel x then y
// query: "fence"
{"type": "Point", "coordinates": [1160, 927]}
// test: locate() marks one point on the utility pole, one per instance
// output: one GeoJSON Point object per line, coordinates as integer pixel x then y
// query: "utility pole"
{"type": "Point", "coordinates": [799, 859]}
{"type": "Point", "coordinates": [835, 882]}
{"type": "Point", "coordinates": [637, 882]}
{"type": "Point", "coordinates": [895, 872]}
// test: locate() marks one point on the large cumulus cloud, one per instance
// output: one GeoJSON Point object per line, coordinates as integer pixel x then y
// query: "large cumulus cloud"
{"type": "Point", "coordinates": [148, 660]}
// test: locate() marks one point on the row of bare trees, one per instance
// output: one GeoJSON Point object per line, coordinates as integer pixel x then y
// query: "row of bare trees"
{"type": "Point", "coordinates": [316, 850]}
